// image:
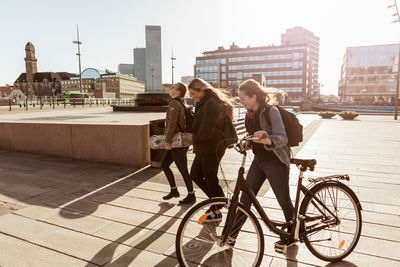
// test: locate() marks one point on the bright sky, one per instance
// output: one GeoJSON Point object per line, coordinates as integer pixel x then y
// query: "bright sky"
{"type": "Point", "coordinates": [109, 30]}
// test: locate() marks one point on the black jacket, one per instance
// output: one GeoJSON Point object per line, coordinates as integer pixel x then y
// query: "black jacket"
{"type": "Point", "coordinates": [207, 125]}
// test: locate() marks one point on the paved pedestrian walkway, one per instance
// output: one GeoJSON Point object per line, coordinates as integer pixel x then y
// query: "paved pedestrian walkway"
{"type": "Point", "coordinates": [56, 211]}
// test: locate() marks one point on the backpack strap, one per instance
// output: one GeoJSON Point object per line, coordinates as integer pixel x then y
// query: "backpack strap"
{"type": "Point", "coordinates": [184, 112]}
{"type": "Point", "coordinates": [267, 115]}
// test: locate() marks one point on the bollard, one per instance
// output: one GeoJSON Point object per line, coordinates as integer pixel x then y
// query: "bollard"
{"type": "Point", "coordinates": [9, 103]}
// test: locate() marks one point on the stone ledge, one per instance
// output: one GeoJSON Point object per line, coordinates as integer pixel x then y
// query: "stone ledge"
{"type": "Point", "coordinates": [118, 144]}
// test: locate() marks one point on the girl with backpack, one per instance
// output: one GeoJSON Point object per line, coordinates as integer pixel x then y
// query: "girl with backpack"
{"type": "Point", "coordinates": [212, 108]}
{"type": "Point", "coordinates": [174, 123]}
{"type": "Point", "coordinates": [271, 150]}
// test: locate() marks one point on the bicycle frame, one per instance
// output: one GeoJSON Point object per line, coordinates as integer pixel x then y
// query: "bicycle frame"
{"type": "Point", "coordinates": [242, 186]}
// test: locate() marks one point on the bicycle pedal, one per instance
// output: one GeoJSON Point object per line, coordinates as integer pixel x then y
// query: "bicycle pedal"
{"type": "Point", "coordinates": [280, 248]}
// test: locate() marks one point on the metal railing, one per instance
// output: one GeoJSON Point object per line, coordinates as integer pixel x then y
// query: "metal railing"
{"type": "Point", "coordinates": [55, 102]}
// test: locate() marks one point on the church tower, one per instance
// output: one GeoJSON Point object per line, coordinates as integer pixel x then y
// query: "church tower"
{"type": "Point", "coordinates": [30, 62]}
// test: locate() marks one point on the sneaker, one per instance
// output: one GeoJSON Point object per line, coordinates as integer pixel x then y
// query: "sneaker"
{"type": "Point", "coordinates": [173, 193]}
{"type": "Point", "coordinates": [189, 199]}
{"type": "Point", "coordinates": [210, 216]}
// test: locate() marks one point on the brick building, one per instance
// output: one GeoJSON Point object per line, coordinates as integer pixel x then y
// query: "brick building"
{"type": "Point", "coordinates": [5, 90]}
{"type": "Point", "coordinates": [34, 83]}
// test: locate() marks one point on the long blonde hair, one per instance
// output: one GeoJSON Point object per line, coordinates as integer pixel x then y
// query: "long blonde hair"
{"type": "Point", "coordinates": [269, 95]}
{"type": "Point", "coordinates": [220, 95]}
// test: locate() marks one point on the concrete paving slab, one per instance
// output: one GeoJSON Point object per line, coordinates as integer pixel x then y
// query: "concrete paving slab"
{"type": "Point", "coordinates": [137, 257]}
{"type": "Point", "coordinates": [19, 253]}
{"type": "Point", "coordinates": [154, 241]}
{"type": "Point", "coordinates": [66, 241]}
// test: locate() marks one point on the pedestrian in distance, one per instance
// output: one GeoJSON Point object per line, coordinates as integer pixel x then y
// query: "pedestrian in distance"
{"type": "Point", "coordinates": [271, 150]}
{"type": "Point", "coordinates": [213, 108]}
{"type": "Point", "coordinates": [174, 123]}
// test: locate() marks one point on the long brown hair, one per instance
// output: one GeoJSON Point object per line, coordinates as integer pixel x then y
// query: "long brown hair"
{"type": "Point", "coordinates": [269, 95]}
{"type": "Point", "coordinates": [181, 87]}
{"type": "Point", "coordinates": [220, 95]}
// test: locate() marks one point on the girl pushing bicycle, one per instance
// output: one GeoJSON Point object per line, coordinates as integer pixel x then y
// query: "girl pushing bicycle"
{"type": "Point", "coordinates": [271, 150]}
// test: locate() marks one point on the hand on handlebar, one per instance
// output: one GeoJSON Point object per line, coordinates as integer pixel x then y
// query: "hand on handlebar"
{"type": "Point", "coordinates": [247, 145]}
{"type": "Point", "coordinates": [261, 137]}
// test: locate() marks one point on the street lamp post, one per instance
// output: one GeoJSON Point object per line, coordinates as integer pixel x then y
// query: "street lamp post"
{"type": "Point", "coordinates": [172, 63]}
{"type": "Point", "coordinates": [396, 101]}
{"type": "Point", "coordinates": [79, 57]}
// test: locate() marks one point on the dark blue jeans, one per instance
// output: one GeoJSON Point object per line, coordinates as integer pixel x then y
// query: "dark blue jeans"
{"type": "Point", "coordinates": [278, 177]}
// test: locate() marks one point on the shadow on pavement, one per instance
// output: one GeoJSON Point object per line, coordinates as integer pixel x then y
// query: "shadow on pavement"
{"type": "Point", "coordinates": [40, 180]}
{"type": "Point", "coordinates": [131, 254]}
{"type": "Point", "coordinates": [291, 260]}
{"type": "Point", "coordinates": [86, 206]}
{"type": "Point", "coordinates": [341, 264]}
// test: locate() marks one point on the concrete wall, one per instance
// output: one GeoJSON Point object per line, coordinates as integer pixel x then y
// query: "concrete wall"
{"type": "Point", "coordinates": [118, 144]}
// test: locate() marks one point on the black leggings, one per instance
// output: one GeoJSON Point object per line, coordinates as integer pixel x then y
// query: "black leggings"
{"type": "Point", "coordinates": [204, 173]}
{"type": "Point", "coordinates": [179, 156]}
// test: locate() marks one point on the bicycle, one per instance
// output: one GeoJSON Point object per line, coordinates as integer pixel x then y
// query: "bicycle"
{"type": "Point", "coordinates": [328, 221]}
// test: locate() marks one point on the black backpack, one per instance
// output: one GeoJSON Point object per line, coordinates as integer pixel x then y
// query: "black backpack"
{"type": "Point", "coordinates": [229, 132]}
{"type": "Point", "coordinates": [189, 117]}
{"type": "Point", "coordinates": [294, 130]}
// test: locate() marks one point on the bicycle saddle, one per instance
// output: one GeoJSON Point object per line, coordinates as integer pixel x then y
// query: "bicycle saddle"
{"type": "Point", "coordinates": [305, 163]}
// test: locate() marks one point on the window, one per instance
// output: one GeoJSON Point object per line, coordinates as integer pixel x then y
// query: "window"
{"type": "Point", "coordinates": [295, 64]}
{"type": "Point", "coordinates": [211, 61]}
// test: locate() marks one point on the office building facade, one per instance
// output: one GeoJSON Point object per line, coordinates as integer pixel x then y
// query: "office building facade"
{"type": "Point", "coordinates": [298, 36]}
{"type": "Point", "coordinates": [139, 67]}
{"type": "Point", "coordinates": [126, 69]}
{"type": "Point", "coordinates": [187, 79]}
{"type": "Point", "coordinates": [369, 74]}
{"type": "Point", "coordinates": [287, 67]}
{"type": "Point", "coordinates": [153, 59]}
{"type": "Point", "coordinates": [115, 85]}
{"type": "Point", "coordinates": [284, 67]}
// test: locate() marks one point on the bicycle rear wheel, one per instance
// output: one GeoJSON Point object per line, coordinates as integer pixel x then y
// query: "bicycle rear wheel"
{"type": "Point", "coordinates": [198, 242]}
{"type": "Point", "coordinates": [327, 238]}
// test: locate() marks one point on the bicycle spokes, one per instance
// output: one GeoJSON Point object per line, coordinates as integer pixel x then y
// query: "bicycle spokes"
{"type": "Point", "coordinates": [332, 223]}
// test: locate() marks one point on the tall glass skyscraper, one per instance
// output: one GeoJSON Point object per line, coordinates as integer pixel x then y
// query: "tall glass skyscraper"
{"type": "Point", "coordinates": [153, 59]}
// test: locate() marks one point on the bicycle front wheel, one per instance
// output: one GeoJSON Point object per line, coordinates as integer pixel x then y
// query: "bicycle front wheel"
{"type": "Point", "coordinates": [328, 238]}
{"type": "Point", "coordinates": [198, 241]}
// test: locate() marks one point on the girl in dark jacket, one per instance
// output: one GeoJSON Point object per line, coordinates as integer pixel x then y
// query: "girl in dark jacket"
{"type": "Point", "coordinates": [208, 140]}
{"type": "Point", "coordinates": [174, 123]}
